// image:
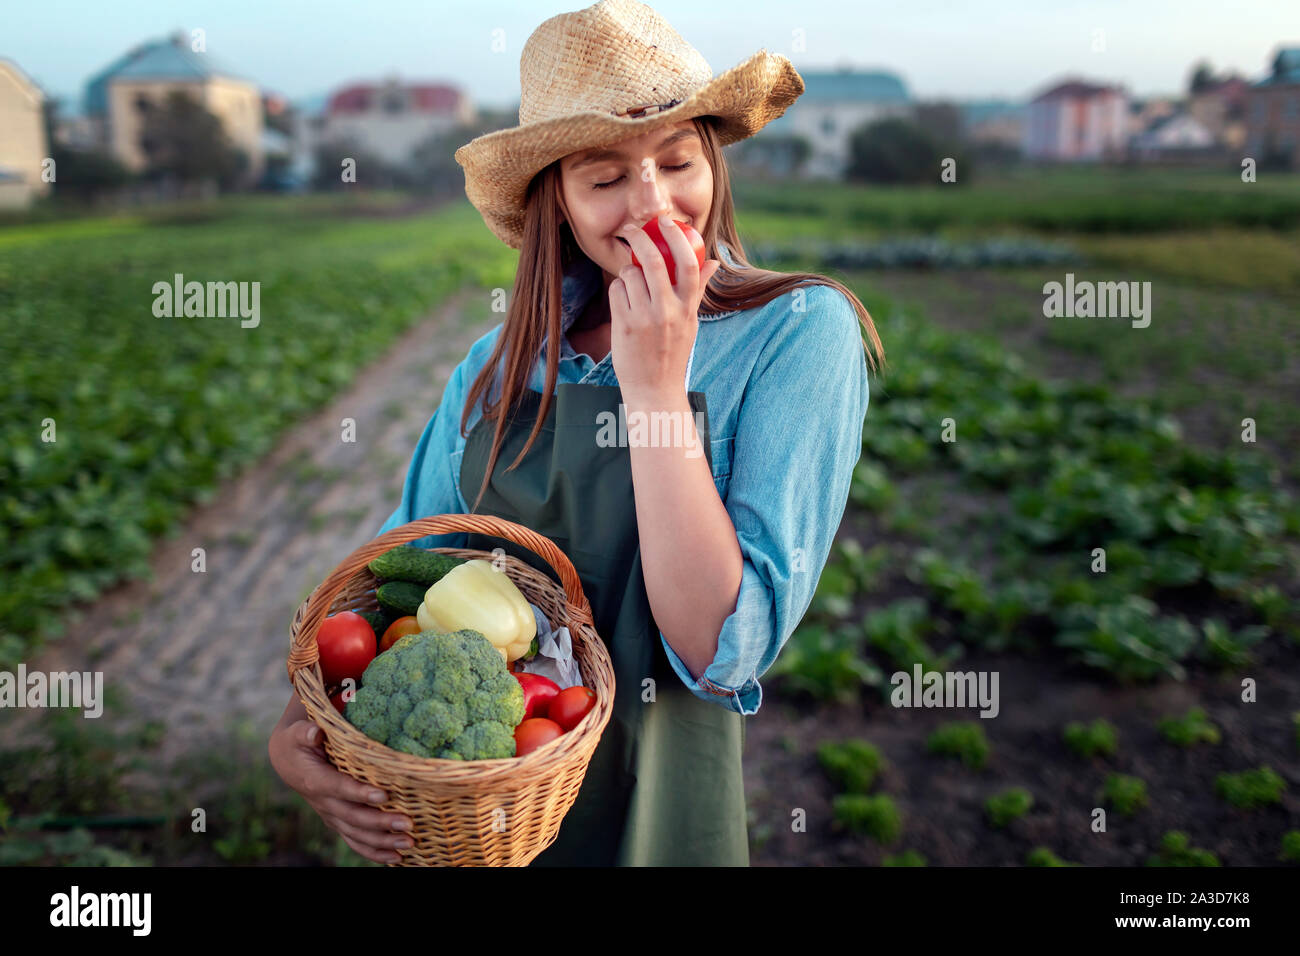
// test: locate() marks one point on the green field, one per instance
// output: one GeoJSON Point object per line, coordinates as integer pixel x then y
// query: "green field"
{"type": "Point", "coordinates": [150, 413]}
{"type": "Point", "coordinates": [1001, 450]}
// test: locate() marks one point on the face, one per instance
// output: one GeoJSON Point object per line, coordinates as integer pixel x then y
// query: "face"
{"type": "Point", "coordinates": [641, 183]}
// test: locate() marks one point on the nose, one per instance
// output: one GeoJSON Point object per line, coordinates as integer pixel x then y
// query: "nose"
{"type": "Point", "coordinates": [650, 197]}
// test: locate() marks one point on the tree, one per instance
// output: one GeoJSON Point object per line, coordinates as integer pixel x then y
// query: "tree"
{"type": "Point", "coordinates": [182, 140]}
{"type": "Point", "coordinates": [899, 151]}
{"type": "Point", "coordinates": [942, 121]}
{"type": "Point", "coordinates": [1202, 77]}
{"type": "Point", "coordinates": [81, 174]}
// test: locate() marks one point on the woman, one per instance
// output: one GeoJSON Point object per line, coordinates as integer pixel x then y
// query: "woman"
{"type": "Point", "coordinates": [698, 554]}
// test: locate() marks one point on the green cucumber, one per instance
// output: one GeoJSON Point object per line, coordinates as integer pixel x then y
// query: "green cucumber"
{"type": "Point", "coordinates": [407, 563]}
{"type": "Point", "coordinates": [401, 597]}
{"type": "Point", "coordinates": [378, 621]}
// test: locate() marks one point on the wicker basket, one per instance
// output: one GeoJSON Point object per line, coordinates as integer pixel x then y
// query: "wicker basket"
{"type": "Point", "coordinates": [477, 812]}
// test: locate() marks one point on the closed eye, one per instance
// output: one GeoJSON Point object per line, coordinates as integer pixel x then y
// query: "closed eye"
{"type": "Point", "coordinates": [614, 182]}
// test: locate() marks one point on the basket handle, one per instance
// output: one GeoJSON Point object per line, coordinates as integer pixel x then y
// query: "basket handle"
{"type": "Point", "coordinates": [305, 653]}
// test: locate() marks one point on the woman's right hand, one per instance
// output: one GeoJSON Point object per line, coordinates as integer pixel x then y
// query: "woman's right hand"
{"type": "Point", "coordinates": [297, 753]}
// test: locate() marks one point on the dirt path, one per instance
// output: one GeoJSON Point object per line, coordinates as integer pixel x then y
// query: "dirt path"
{"type": "Point", "coordinates": [197, 649]}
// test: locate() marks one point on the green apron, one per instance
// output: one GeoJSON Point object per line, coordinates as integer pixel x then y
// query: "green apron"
{"type": "Point", "coordinates": [664, 786]}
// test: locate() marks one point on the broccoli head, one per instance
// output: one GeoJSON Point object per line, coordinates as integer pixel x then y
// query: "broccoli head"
{"type": "Point", "coordinates": [440, 695]}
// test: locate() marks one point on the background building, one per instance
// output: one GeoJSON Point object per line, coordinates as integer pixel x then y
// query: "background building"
{"type": "Point", "coordinates": [118, 98]}
{"type": "Point", "coordinates": [1075, 120]}
{"type": "Point", "coordinates": [832, 106]}
{"type": "Point", "coordinates": [388, 120]}
{"type": "Point", "coordinates": [1273, 110]}
{"type": "Point", "coordinates": [23, 147]}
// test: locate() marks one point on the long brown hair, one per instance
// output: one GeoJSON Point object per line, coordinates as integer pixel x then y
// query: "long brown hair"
{"type": "Point", "coordinates": [534, 307]}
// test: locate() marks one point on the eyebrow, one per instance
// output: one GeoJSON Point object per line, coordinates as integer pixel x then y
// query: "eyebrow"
{"type": "Point", "coordinates": [605, 154]}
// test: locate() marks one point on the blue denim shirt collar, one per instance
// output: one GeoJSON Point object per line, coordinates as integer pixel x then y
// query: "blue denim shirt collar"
{"type": "Point", "coordinates": [582, 280]}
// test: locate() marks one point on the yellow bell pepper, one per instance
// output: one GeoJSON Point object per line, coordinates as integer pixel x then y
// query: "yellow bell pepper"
{"type": "Point", "coordinates": [477, 596]}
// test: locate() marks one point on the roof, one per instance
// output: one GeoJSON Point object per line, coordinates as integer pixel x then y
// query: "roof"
{"type": "Point", "coordinates": [1075, 89]}
{"type": "Point", "coordinates": [1286, 68]}
{"type": "Point", "coordinates": [24, 82]}
{"type": "Point", "coordinates": [422, 97]}
{"type": "Point", "coordinates": [168, 59]}
{"type": "Point", "coordinates": [852, 85]}
{"type": "Point", "coordinates": [984, 111]}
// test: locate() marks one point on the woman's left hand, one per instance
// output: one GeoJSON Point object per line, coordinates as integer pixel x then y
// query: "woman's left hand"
{"type": "Point", "coordinates": [653, 322]}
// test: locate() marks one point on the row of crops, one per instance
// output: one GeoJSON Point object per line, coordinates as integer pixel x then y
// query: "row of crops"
{"type": "Point", "coordinates": [115, 420]}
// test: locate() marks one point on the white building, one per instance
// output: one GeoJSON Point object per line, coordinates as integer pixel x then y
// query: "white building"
{"type": "Point", "coordinates": [832, 106]}
{"type": "Point", "coordinates": [388, 120]}
{"type": "Point", "coordinates": [23, 147]}
{"type": "Point", "coordinates": [1077, 121]}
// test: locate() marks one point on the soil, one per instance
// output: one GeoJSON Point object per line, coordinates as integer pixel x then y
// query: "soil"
{"type": "Point", "coordinates": [200, 651]}
{"type": "Point", "coordinates": [942, 802]}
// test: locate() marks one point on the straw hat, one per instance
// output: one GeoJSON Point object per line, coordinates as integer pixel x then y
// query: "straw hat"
{"type": "Point", "coordinates": [611, 71]}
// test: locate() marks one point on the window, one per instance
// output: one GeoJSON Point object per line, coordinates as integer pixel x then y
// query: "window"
{"type": "Point", "coordinates": [142, 103]}
{"type": "Point", "coordinates": [828, 125]}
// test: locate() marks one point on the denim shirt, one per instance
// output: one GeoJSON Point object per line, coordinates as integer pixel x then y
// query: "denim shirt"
{"type": "Point", "coordinates": [787, 392]}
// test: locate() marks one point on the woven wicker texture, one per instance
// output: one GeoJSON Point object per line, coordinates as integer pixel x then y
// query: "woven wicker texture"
{"type": "Point", "coordinates": [476, 812]}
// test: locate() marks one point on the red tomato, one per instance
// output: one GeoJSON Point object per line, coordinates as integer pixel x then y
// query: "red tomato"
{"type": "Point", "coordinates": [538, 693]}
{"type": "Point", "coordinates": [342, 696]}
{"type": "Point", "coordinates": [399, 629]}
{"type": "Point", "coordinates": [347, 644]}
{"type": "Point", "coordinates": [531, 734]}
{"type": "Point", "coordinates": [571, 705]}
{"type": "Point", "coordinates": [652, 230]}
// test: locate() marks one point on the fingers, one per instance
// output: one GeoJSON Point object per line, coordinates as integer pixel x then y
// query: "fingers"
{"type": "Point", "coordinates": [346, 805]}
{"type": "Point", "coordinates": [366, 827]}
{"type": "Point", "coordinates": [375, 856]}
{"type": "Point", "coordinates": [389, 826]}
{"type": "Point", "coordinates": [688, 267]}
{"type": "Point", "coordinates": [653, 267]}
{"type": "Point", "coordinates": [633, 289]}
{"type": "Point", "coordinates": [305, 733]}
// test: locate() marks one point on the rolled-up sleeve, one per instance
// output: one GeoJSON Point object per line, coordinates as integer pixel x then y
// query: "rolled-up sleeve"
{"type": "Point", "coordinates": [798, 439]}
{"type": "Point", "coordinates": [431, 479]}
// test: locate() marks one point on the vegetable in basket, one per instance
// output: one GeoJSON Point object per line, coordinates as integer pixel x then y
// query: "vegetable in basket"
{"type": "Point", "coordinates": [346, 644]}
{"type": "Point", "coordinates": [409, 563]}
{"type": "Point", "coordinates": [440, 695]}
{"type": "Point", "coordinates": [477, 596]}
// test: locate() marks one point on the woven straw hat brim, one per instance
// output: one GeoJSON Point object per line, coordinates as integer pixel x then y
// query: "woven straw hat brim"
{"type": "Point", "coordinates": [499, 165]}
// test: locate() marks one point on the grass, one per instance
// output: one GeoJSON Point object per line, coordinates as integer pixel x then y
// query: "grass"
{"type": "Point", "coordinates": [155, 412]}
{"type": "Point", "coordinates": [1010, 804]}
{"type": "Point", "coordinates": [1090, 740]}
{"type": "Point", "coordinates": [875, 816]}
{"type": "Point", "coordinates": [964, 740]}
{"type": "Point", "coordinates": [853, 764]}
{"type": "Point", "coordinates": [1062, 200]}
{"type": "Point", "coordinates": [1191, 729]}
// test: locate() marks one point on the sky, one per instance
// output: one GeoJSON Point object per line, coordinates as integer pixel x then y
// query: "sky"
{"type": "Point", "coordinates": [949, 49]}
